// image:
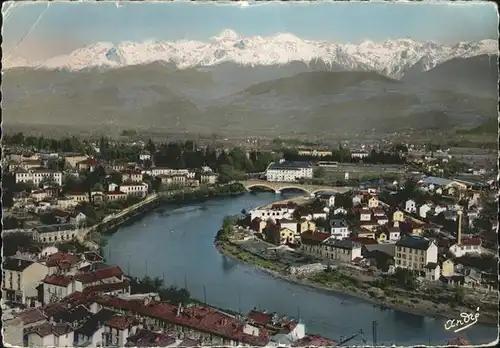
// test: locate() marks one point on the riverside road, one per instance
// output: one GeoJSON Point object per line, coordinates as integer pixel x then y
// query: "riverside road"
{"type": "Point", "coordinates": [177, 244]}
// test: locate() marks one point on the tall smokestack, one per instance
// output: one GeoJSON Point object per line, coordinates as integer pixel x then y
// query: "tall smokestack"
{"type": "Point", "coordinates": [460, 228]}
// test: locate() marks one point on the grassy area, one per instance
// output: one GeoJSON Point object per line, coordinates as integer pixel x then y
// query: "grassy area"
{"type": "Point", "coordinates": [242, 255]}
{"type": "Point", "coordinates": [489, 126]}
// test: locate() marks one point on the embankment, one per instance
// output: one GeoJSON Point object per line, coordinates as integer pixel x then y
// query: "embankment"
{"type": "Point", "coordinates": [423, 307]}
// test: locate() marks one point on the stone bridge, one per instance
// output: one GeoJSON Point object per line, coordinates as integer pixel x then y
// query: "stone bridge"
{"type": "Point", "coordinates": [280, 186]}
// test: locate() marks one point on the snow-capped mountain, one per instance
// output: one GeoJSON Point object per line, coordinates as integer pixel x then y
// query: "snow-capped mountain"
{"type": "Point", "coordinates": [392, 58]}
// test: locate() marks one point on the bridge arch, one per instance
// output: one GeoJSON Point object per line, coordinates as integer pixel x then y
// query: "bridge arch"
{"type": "Point", "coordinates": [262, 185]}
{"type": "Point", "coordinates": [323, 189]}
{"type": "Point", "coordinates": [294, 187]}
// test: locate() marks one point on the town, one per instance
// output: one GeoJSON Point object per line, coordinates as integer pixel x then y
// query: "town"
{"type": "Point", "coordinates": [366, 212]}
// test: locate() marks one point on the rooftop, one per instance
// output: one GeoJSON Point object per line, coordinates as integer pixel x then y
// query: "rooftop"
{"type": "Point", "coordinates": [54, 228]}
{"type": "Point", "coordinates": [290, 165]}
{"type": "Point", "coordinates": [414, 242]}
{"type": "Point", "coordinates": [15, 264]}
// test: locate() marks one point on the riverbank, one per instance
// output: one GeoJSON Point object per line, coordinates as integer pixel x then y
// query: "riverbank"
{"type": "Point", "coordinates": [185, 196]}
{"type": "Point", "coordinates": [426, 308]}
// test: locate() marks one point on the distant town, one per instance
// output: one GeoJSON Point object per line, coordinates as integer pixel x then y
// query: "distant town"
{"type": "Point", "coordinates": [405, 225]}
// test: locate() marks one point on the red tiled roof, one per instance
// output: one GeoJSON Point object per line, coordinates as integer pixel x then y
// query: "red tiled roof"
{"type": "Point", "coordinates": [108, 287]}
{"type": "Point", "coordinates": [198, 318]}
{"type": "Point", "coordinates": [471, 241]}
{"type": "Point", "coordinates": [313, 238]}
{"type": "Point", "coordinates": [46, 329]}
{"type": "Point", "coordinates": [260, 317]}
{"type": "Point", "coordinates": [120, 322]}
{"type": "Point", "coordinates": [31, 316]}
{"type": "Point", "coordinates": [62, 260]}
{"type": "Point", "coordinates": [100, 274]}
{"type": "Point", "coordinates": [314, 341]}
{"type": "Point", "coordinates": [58, 280]}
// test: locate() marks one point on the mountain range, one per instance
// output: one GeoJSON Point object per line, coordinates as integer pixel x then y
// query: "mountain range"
{"type": "Point", "coordinates": [274, 85]}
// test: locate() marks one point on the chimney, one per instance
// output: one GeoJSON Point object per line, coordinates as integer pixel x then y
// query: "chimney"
{"type": "Point", "coordinates": [459, 241]}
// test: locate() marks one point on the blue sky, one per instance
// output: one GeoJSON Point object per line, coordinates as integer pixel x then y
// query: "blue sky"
{"type": "Point", "coordinates": [66, 26]}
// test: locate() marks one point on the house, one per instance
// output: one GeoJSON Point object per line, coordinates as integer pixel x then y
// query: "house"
{"type": "Point", "coordinates": [365, 233]}
{"type": "Point", "coordinates": [329, 199]}
{"type": "Point", "coordinates": [77, 197]}
{"type": "Point", "coordinates": [39, 175]}
{"type": "Point", "coordinates": [89, 164]}
{"type": "Point", "coordinates": [78, 219]}
{"type": "Point", "coordinates": [410, 206]}
{"type": "Point", "coordinates": [136, 189]}
{"type": "Point", "coordinates": [339, 229]}
{"type": "Point", "coordinates": [50, 335]}
{"type": "Point", "coordinates": [273, 213]}
{"type": "Point", "coordinates": [131, 176]}
{"type": "Point", "coordinates": [339, 211]}
{"type": "Point", "coordinates": [56, 287]}
{"type": "Point", "coordinates": [467, 246]}
{"type": "Point", "coordinates": [356, 200]}
{"type": "Point", "coordinates": [208, 178]}
{"type": "Point", "coordinates": [306, 225]}
{"type": "Point", "coordinates": [394, 233]}
{"type": "Point", "coordinates": [342, 250]}
{"type": "Point", "coordinates": [62, 263]}
{"type": "Point", "coordinates": [106, 275]}
{"type": "Point", "coordinates": [365, 215]}
{"type": "Point", "coordinates": [414, 253]}
{"type": "Point", "coordinates": [73, 159]}
{"type": "Point", "coordinates": [373, 202]}
{"type": "Point", "coordinates": [258, 225]}
{"type": "Point", "coordinates": [398, 215]}
{"type": "Point", "coordinates": [286, 235]}
{"type": "Point", "coordinates": [289, 224]}
{"type": "Point", "coordinates": [91, 333]}
{"type": "Point", "coordinates": [118, 328]}
{"type": "Point", "coordinates": [382, 220]}
{"type": "Point", "coordinates": [55, 233]}
{"type": "Point", "coordinates": [424, 209]}
{"type": "Point", "coordinates": [447, 268]}
{"type": "Point", "coordinates": [432, 271]}
{"type": "Point", "coordinates": [20, 279]}
{"type": "Point", "coordinates": [115, 196]}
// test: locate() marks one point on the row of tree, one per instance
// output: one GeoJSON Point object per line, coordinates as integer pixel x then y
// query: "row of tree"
{"type": "Point", "coordinates": [344, 156]}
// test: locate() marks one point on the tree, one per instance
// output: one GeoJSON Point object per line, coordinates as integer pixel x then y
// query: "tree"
{"type": "Point", "coordinates": [227, 174]}
{"type": "Point", "coordinates": [319, 172]}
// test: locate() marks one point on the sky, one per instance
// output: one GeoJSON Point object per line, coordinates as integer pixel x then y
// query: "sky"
{"type": "Point", "coordinates": [41, 30]}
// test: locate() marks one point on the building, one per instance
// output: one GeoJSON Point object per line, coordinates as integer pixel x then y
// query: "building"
{"type": "Point", "coordinates": [341, 250]}
{"type": "Point", "coordinates": [373, 202]}
{"type": "Point", "coordinates": [38, 176]}
{"type": "Point", "coordinates": [50, 335]}
{"type": "Point", "coordinates": [467, 246]}
{"type": "Point", "coordinates": [410, 206]}
{"type": "Point", "coordinates": [359, 154]}
{"type": "Point", "coordinates": [89, 164]}
{"type": "Point", "coordinates": [73, 159]}
{"type": "Point", "coordinates": [339, 229]}
{"type": "Point", "coordinates": [415, 253]}
{"type": "Point", "coordinates": [398, 215]}
{"type": "Point", "coordinates": [131, 176]}
{"type": "Point", "coordinates": [286, 236]}
{"type": "Point", "coordinates": [289, 171]}
{"type": "Point", "coordinates": [20, 280]}
{"type": "Point", "coordinates": [329, 199]}
{"type": "Point", "coordinates": [138, 190]}
{"type": "Point", "coordinates": [55, 233]}
{"type": "Point", "coordinates": [365, 214]}
{"type": "Point", "coordinates": [56, 287]}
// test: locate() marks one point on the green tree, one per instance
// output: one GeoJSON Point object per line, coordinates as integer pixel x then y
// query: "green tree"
{"type": "Point", "coordinates": [319, 172]}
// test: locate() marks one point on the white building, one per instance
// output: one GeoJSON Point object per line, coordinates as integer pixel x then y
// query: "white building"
{"type": "Point", "coordinates": [394, 233]}
{"type": "Point", "coordinates": [56, 287]}
{"type": "Point", "coordinates": [467, 246]}
{"type": "Point", "coordinates": [289, 171]}
{"type": "Point", "coordinates": [50, 335]}
{"type": "Point", "coordinates": [58, 233]}
{"type": "Point", "coordinates": [359, 154]}
{"type": "Point", "coordinates": [168, 171]}
{"type": "Point", "coordinates": [39, 175]}
{"type": "Point", "coordinates": [410, 206]}
{"type": "Point", "coordinates": [274, 214]}
{"type": "Point", "coordinates": [21, 277]}
{"type": "Point", "coordinates": [135, 189]}
{"type": "Point", "coordinates": [418, 254]}
{"type": "Point", "coordinates": [339, 229]}
{"type": "Point", "coordinates": [365, 215]}
{"type": "Point", "coordinates": [424, 209]}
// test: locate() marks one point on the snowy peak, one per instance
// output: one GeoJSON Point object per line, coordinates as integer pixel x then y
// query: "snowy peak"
{"type": "Point", "coordinates": [392, 57]}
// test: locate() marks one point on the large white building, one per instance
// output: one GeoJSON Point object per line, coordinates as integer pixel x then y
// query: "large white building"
{"type": "Point", "coordinates": [39, 175]}
{"type": "Point", "coordinates": [135, 189]}
{"type": "Point", "coordinates": [289, 171]}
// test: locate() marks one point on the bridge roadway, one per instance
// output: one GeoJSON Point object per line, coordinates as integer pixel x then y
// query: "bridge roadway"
{"type": "Point", "coordinates": [280, 186]}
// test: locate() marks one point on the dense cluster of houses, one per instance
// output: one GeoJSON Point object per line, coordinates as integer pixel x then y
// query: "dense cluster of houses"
{"type": "Point", "coordinates": [372, 232]}
{"type": "Point", "coordinates": [49, 194]}
{"type": "Point", "coordinates": [78, 300]}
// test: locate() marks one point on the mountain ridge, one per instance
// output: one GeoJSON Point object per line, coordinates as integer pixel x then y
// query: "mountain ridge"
{"type": "Point", "coordinates": [391, 57]}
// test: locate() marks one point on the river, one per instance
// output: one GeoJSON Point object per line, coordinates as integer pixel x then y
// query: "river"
{"type": "Point", "coordinates": [177, 245]}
